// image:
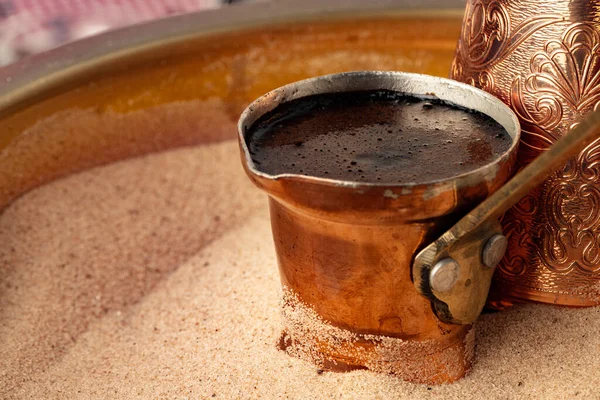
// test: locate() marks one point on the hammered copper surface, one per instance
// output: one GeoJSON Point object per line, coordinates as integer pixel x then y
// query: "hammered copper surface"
{"type": "Point", "coordinates": [543, 59]}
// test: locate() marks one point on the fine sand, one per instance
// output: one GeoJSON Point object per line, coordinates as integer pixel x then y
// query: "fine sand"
{"type": "Point", "coordinates": [156, 278]}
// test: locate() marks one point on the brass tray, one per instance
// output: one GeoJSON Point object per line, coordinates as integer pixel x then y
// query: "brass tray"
{"type": "Point", "coordinates": [233, 55]}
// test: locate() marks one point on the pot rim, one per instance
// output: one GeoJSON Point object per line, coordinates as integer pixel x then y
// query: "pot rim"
{"type": "Point", "coordinates": [458, 93]}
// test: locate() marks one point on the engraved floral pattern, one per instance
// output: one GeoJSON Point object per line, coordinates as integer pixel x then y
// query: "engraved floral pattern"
{"type": "Point", "coordinates": [486, 39]}
{"type": "Point", "coordinates": [547, 68]}
{"type": "Point", "coordinates": [516, 230]}
{"type": "Point", "coordinates": [564, 79]}
{"type": "Point", "coordinates": [566, 74]}
{"type": "Point", "coordinates": [571, 238]}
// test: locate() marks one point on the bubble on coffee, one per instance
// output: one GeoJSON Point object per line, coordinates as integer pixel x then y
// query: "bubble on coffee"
{"type": "Point", "coordinates": [374, 136]}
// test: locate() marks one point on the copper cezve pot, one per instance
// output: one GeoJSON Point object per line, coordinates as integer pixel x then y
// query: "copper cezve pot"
{"type": "Point", "coordinates": [382, 276]}
{"type": "Point", "coordinates": [542, 58]}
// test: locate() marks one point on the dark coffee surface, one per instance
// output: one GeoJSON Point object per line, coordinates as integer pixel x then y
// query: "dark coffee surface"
{"type": "Point", "coordinates": [374, 136]}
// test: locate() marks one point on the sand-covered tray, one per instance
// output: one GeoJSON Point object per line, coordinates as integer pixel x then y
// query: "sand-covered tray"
{"type": "Point", "coordinates": [136, 258]}
{"type": "Point", "coordinates": [156, 277]}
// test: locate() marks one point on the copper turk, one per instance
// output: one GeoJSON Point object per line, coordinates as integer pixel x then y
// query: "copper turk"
{"type": "Point", "coordinates": [345, 249]}
{"type": "Point", "coordinates": [382, 276]}
{"type": "Point", "coordinates": [542, 58]}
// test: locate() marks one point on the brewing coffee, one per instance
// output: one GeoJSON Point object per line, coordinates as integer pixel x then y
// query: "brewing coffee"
{"type": "Point", "coordinates": [374, 136]}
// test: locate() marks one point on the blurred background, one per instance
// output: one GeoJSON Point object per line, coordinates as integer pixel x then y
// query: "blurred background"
{"type": "Point", "coordinates": [32, 26]}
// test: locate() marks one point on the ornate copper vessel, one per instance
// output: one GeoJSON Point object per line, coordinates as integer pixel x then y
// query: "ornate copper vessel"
{"type": "Point", "coordinates": [345, 249]}
{"type": "Point", "coordinates": [543, 60]}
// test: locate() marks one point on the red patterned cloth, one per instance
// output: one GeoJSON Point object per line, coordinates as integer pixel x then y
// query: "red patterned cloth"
{"type": "Point", "coordinates": [31, 26]}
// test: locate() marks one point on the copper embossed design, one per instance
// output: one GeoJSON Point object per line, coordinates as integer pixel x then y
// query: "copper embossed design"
{"type": "Point", "coordinates": [547, 68]}
{"type": "Point", "coordinates": [565, 75]}
{"type": "Point", "coordinates": [563, 80]}
{"type": "Point", "coordinates": [486, 39]}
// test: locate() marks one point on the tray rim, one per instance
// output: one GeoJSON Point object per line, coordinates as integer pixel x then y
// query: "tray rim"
{"type": "Point", "coordinates": [38, 77]}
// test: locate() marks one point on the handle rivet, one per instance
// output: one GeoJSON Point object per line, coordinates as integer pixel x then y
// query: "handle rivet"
{"type": "Point", "coordinates": [494, 250]}
{"type": "Point", "coordinates": [444, 274]}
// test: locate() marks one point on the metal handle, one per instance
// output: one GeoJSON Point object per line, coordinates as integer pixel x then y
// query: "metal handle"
{"type": "Point", "coordinates": [455, 271]}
